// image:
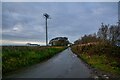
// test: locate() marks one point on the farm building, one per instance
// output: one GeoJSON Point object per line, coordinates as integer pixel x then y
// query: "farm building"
{"type": "Point", "coordinates": [29, 44]}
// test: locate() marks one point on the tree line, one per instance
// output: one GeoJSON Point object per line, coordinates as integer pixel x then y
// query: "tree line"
{"type": "Point", "coordinates": [106, 33]}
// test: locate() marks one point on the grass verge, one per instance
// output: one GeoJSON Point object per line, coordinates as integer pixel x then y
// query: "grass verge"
{"type": "Point", "coordinates": [99, 59]}
{"type": "Point", "coordinates": [101, 63]}
{"type": "Point", "coordinates": [16, 57]}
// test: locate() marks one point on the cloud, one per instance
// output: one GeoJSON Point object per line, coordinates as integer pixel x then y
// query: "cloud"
{"type": "Point", "coordinates": [60, 1]}
{"type": "Point", "coordinates": [24, 21]}
{"type": "Point", "coordinates": [0, 21]}
{"type": "Point", "coordinates": [17, 27]}
{"type": "Point", "coordinates": [15, 42]}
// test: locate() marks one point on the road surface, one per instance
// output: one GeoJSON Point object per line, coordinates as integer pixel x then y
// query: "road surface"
{"type": "Point", "coordinates": [63, 65]}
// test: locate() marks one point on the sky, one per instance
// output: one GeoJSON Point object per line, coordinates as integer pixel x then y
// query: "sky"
{"type": "Point", "coordinates": [23, 22]}
{"type": "Point", "coordinates": [60, 0]}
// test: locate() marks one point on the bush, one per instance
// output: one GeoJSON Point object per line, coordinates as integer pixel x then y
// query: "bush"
{"type": "Point", "coordinates": [103, 56]}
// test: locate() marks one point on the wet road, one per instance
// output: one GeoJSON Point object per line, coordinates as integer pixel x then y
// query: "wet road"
{"type": "Point", "coordinates": [63, 65]}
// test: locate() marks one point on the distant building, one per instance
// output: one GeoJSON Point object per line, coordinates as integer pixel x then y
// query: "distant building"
{"type": "Point", "coordinates": [29, 44]}
{"type": "Point", "coordinates": [59, 41]}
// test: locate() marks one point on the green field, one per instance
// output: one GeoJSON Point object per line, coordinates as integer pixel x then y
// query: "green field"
{"type": "Point", "coordinates": [16, 57]}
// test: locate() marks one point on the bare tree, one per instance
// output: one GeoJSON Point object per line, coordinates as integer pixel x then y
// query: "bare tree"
{"type": "Point", "coordinates": [103, 32]}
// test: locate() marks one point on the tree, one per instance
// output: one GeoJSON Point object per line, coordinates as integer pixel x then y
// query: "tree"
{"type": "Point", "coordinates": [109, 33]}
{"type": "Point", "coordinates": [106, 33]}
{"type": "Point", "coordinates": [103, 32]}
{"type": "Point", "coordinates": [114, 33]}
{"type": "Point", "coordinates": [59, 41]}
{"type": "Point", "coordinates": [87, 39]}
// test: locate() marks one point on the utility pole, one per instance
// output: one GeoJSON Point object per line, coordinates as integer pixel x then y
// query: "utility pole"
{"type": "Point", "coordinates": [46, 17]}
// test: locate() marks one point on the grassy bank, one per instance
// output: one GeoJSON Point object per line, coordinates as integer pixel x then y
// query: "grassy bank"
{"type": "Point", "coordinates": [16, 57]}
{"type": "Point", "coordinates": [102, 57]}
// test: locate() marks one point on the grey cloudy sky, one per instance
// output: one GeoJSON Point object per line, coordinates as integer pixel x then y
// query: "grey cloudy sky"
{"type": "Point", "coordinates": [23, 22]}
{"type": "Point", "coordinates": [60, 0]}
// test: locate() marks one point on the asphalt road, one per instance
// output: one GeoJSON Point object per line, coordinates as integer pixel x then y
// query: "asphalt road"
{"type": "Point", "coordinates": [63, 65]}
